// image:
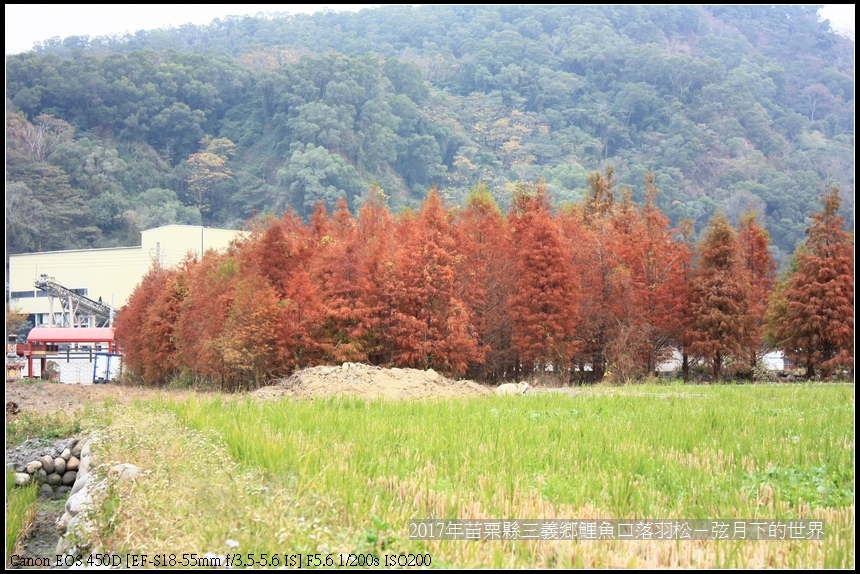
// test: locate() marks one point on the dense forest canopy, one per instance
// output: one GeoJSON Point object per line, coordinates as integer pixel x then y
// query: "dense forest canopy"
{"type": "Point", "coordinates": [737, 108]}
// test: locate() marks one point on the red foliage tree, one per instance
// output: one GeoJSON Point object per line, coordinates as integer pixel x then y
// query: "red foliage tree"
{"type": "Point", "coordinates": [429, 326]}
{"type": "Point", "coordinates": [486, 280]}
{"type": "Point", "coordinates": [682, 333]}
{"type": "Point", "coordinates": [256, 341]}
{"type": "Point", "coordinates": [592, 230]}
{"type": "Point", "coordinates": [759, 264]}
{"type": "Point", "coordinates": [811, 315]}
{"type": "Point", "coordinates": [652, 302]}
{"type": "Point", "coordinates": [723, 321]}
{"type": "Point", "coordinates": [146, 337]}
{"type": "Point", "coordinates": [374, 229]}
{"type": "Point", "coordinates": [277, 249]}
{"type": "Point", "coordinates": [211, 289]}
{"type": "Point", "coordinates": [339, 276]}
{"type": "Point", "coordinates": [281, 251]}
{"type": "Point", "coordinates": [545, 300]}
{"type": "Point", "coordinates": [160, 353]}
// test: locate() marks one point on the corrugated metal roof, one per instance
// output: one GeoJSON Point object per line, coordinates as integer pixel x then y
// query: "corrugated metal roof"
{"type": "Point", "coordinates": [71, 335]}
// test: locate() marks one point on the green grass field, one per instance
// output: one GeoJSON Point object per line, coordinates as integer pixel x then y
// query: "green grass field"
{"type": "Point", "coordinates": [232, 474]}
{"type": "Point", "coordinates": [346, 476]}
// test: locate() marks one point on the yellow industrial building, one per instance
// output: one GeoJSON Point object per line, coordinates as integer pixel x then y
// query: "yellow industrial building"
{"type": "Point", "coordinates": [91, 279]}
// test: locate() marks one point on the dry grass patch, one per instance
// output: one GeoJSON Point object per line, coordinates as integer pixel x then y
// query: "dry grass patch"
{"type": "Point", "coordinates": [191, 496]}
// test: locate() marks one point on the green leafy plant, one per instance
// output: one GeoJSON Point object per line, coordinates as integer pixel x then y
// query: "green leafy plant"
{"type": "Point", "coordinates": [20, 510]}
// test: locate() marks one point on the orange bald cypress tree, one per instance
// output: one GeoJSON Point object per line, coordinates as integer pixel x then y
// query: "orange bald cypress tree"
{"type": "Point", "coordinates": [723, 321]}
{"type": "Point", "coordinates": [256, 341]}
{"type": "Point", "coordinates": [211, 288]}
{"type": "Point", "coordinates": [759, 264]}
{"type": "Point", "coordinates": [162, 360]}
{"type": "Point", "coordinates": [592, 231]}
{"type": "Point", "coordinates": [277, 249]}
{"type": "Point", "coordinates": [429, 325]}
{"type": "Point", "coordinates": [373, 237]}
{"type": "Point", "coordinates": [811, 315]}
{"type": "Point", "coordinates": [545, 300]}
{"type": "Point", "coordinates": [281, 250]}
{"type": "Point", "coordinates": [340, 278]}
{"type": "Point", "coordinates": [146, 337]}
{"type": "Point", "coordinates": [486, 272]}
{"type": "Point", "coordinates": [656, 268]}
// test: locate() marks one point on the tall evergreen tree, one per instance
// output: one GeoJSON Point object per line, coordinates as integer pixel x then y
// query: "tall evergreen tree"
{"type": "Point", "coordinates": [429, 325]}
{"type": "Point", "coordinates": [759, 264]}
{"type": "Point", "coordinates": [487, 272]}
{"type": "Point", "coordinates": [545, 302]}
{"type": "Point", "coordinates": [723, 322]}
{"type": "Point", "coordinates": [657, 263]}
{"type": "Point", "coordinates": [141, 333]}
{"type": "Point", "coordinates": [811, 315]}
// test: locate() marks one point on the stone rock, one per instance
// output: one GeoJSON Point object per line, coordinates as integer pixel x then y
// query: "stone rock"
{"type": "Point", "coordinates": [41, 476]}
{"type": "Point", "coordinates": [76, 450]}
{"type": "Point", "coordinates": [81, 529]}
{"type": "Point", "coordinates": [84, 467]}
{"type": "Point", "coordinates": [46, 491]}
{"type": "Point", "coordinates": [22, 479]}
{"type": "Point", "coordinates": [125, 471]}
{"type": "Point", "coordinates": [59, 465]}
{"type": "Point", "coordinates": [63, 522]}
{"type": "Point", "coordinates": [69, 477]}
{"type": "Point", "coordinates": [54, 479]}
{"type": "Point", "coordinates": [33, 466]}
{"type": "Point", "coordinates": [73, 463]}
{"type": "Point", "coordinates": [47, 463]}
{"type": "Point", "coordinates": [63, 489]}
{"type": "Point", "coordinates": [80, 483]}
{"type": "Point", "coordinates": [78, 501]}
{"type": "Point", "coordinates": [66, 455]}
{"type": "Point", "coordinates": [85, 451]}
{"type": "Point", "coordinates": [63, 546]}
{"type": "Point", "coordinates": [512, 389]}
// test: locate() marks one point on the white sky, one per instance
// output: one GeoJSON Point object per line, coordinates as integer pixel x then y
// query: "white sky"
{"type": "Point", "coordinates": [30, 23]}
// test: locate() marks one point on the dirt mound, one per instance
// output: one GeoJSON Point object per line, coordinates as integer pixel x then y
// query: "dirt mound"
{"type": "Point", "coordinates": [367, 382]}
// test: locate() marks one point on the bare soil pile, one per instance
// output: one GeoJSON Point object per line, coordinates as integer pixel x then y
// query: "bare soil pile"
{"type": "Point", "coordinates": [368, 382]}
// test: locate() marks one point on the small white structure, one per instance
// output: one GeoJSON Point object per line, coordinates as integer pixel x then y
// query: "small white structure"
{"type": "Point", "coordinates": [774, 361]}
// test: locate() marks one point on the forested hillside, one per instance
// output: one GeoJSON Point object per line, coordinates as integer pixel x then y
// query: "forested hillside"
{"type": "Point", "coordinates": [738, 108]}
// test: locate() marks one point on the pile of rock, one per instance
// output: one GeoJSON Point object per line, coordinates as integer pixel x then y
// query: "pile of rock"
{"type": "Point", "coordinates": [75, 525]}
{"type": "Point", "coordinates": [64, 468]}
{"type": "Point", "coordinates": [56, 470]}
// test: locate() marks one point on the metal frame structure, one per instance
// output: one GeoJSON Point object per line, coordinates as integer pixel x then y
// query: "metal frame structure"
{"type": "Point", "coordinates": [74, 306]}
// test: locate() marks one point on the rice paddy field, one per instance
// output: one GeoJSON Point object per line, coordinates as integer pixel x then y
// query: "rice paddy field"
{"type": "Point", "coordinates": [335, 479]}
